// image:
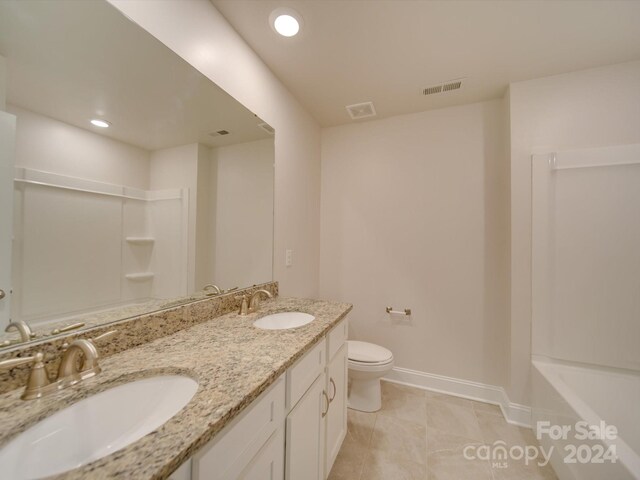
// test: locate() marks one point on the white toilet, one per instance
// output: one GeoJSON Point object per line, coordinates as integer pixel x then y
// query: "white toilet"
{"type": "Point", "coordinates": [367, 364]}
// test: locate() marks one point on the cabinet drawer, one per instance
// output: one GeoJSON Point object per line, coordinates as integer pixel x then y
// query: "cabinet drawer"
{"type": "Point", "coordinates": [336, 338]}
{"type": "Point", "coordinates": [238, 443]}
{"type": "Point", "coordinates": [301, 375]}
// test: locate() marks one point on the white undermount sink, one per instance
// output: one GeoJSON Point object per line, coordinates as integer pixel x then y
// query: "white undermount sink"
{"type": "Point", "coordinates": [95, 427]}
{"type": "Point", "coordinates": [283, 320]}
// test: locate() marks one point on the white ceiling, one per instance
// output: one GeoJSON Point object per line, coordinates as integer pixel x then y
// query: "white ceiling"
{"type": "Point", "coordinates": [74, 61]}
{"type": "Point", "coordinates": [386, 51]}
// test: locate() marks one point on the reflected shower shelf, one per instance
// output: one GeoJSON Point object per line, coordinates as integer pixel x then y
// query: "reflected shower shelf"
{"type": "Point", "coordinates": [140, 240]}
{"type": "Point", "coordinates": [140, 277]}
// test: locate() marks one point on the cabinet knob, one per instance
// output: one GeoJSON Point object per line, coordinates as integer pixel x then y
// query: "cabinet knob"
{"type": "Point", "coordinates": [335, 390]}
{"type": "Point", "coordinates": [2, 294]}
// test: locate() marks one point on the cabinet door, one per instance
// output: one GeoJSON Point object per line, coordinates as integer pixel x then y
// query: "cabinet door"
{"type": "Point", "coordinates": [268, 464]}
{"type": "Point", "coordinates": [305, 430]}
{"type": "Point", "coordinates": [336, 417]}
{"type": "Point", "coordinates": [236, 447]}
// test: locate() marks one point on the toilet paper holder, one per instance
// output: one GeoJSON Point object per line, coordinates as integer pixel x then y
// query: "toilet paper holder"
{"type": "Point", "coordinates": [407, 311]}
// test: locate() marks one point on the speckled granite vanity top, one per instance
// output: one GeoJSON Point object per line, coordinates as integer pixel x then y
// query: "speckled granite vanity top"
{"type": "Point", "coordinates": [233, 362]}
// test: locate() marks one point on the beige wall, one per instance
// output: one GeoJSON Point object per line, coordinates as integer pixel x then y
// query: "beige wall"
{"type": "Point", "coordinates": [177, 167]}
{"type": "Point", "coordinates": [211, 45]}
{"type": "Point", "coordinates": [414, 215]}
{"type": "Point", "coordinates": [3, 82]}
{"type": "Point", "coordinates": [595, 107]}
{"type": "Point", "coordinates": [204, 217]}
{"type": "Point", "coordinates": [244, 213]}
{"type": "Point", "coordinates": [46, 144]}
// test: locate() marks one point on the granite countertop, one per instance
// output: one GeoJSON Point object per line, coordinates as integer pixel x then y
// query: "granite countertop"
{"type": "Point", "coordinates": [233, 362]}
{"type": "Point", "coordinates": [96, 318]}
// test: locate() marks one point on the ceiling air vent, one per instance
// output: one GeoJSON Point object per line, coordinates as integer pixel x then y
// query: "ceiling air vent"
{"type": "Point", "coordinates": [361, 110]}
{"type": "Point", "coordinates": [443, 87]}
{"type": "Point", "coordinates": [432, 90]}
{"type": "Point", "coordinates": [219, 133]}
{"type": "Point", "coordinates": [267, 128]}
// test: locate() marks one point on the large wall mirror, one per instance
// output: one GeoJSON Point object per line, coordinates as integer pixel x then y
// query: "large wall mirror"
{"type": "Point", "coordinates": [109, 222]}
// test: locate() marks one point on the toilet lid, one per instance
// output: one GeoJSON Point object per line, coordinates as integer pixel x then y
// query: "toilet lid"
{"type": "Point", "coordinates": [367, 352]}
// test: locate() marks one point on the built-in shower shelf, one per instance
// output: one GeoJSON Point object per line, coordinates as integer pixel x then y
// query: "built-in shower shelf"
{"type": "Point", "coordinates": [140, 240]}
{"type": "Point", "coordinates": [140, 277]}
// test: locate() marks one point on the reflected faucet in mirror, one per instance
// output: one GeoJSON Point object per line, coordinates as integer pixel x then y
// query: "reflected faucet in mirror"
{"type": "Point", "coordinates": [68, 328]}
{"type": "Point", "coordinates": [211, 289]}
{"type": "Point", "coordinates": [23, 329]}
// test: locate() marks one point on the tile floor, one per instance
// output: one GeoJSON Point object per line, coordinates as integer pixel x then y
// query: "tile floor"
{"type": "Point", "coordinates": [421, 435]}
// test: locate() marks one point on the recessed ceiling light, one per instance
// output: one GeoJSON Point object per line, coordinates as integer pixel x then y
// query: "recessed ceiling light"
{"type": "Point", "coordinates": [285, 21]}
{"type": "Point", "coordinates": [100, 123]}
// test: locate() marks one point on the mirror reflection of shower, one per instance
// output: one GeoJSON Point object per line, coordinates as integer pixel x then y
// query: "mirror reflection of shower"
{"type": "Point", "coordinates": [137, 180]}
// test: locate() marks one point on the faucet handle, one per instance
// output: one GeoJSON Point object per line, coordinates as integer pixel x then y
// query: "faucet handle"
{"type": "Point", "coordinates": [67, 328]}
{"type": "Point", "coordinates": [244, 306]}
{"type": "Point", "coordinates": [93, 340]}
{"type": "Point", "coordinates": [104, 336]}
{"type": "Point", "coordinates": [38, 378]}
{"type": "Point", "coordinates": [16, 362]}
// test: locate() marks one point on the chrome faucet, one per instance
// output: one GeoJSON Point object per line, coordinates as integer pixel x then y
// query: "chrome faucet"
{"type": "Point", "coordinates": [23, 329]}
{"type": "Point", "coordinates": [71, 371]}
{"type": "Point", "coordinates": [254, 300]}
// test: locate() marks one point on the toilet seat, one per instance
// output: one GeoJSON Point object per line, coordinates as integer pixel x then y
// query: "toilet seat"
{"type": "Point", "coordinates": [364, 353]}
{"type": "Point", "coordinates": [370, 367]}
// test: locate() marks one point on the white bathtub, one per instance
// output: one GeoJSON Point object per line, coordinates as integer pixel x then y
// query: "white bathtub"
{"type": "Point", "coordinates": [565, 394]}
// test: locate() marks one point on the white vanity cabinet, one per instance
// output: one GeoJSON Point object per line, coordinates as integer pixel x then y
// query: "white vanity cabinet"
{"type": "Point", "coordinates": [317, 423]}
{"type": "Point", "coordinates": [293, 431]}
{"type": "Point", "coordinates": [251, 446]}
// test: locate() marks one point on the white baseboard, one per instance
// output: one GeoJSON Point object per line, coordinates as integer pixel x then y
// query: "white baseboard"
{"type": "Point", "coordinates": [514, 413]}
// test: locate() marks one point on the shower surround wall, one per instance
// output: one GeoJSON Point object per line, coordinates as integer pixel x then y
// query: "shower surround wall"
{"type": "Point", "coordinates": [589, 108]}
{"type": "Point", "coordinates": [585, 284]}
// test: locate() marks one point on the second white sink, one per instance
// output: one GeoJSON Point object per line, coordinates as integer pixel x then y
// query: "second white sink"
{"type": "Point", "coordinates": [95, 427]}
{"type": "Point", "coordinates": [283, 321]}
